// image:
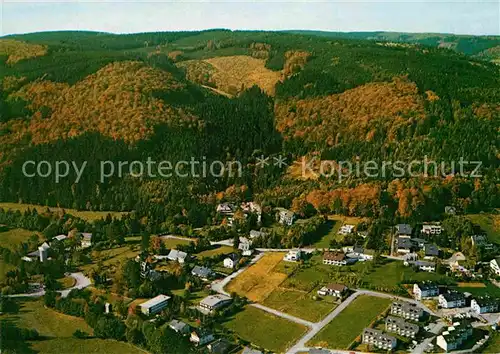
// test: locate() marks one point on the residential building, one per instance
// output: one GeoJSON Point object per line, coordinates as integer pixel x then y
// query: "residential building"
{"type": "Point", "coordinates": [452, 299]}
{"type": "Point", "coordinates": [401, 327]}
{"type": "Point", "coordinates": [424, 290]}
{"type": "Point", "coordinates": [418, 242]}
{"type": "Point", "coordinates": [179, 327]}
{"type": "Point", "coordinates": [484, 305]}
{"type": "Point", "coordinates": [346, 229]}
{"type": "Point", "coordinates": [201, 336]}
{"type": "Point", "coordinates": [226, 208]}
{"type": "Point", "coordinates": [60, 237]}
{"type": "Point", "coordinates": [425, 266]}
{"type": "Point", "coordinates": [293, 255]}
{"type": "Point", "coordinates": [333, 289]}
{"type": "Point", "coordinates": [285, 217]}
{"type": "Point", "coordinates": [450, 210]}
{"type": "Point", "coordinates": [213, 302]}
{"type": "Point", "coordinates": [86, 240]}
{"type": "Point", "coordinates": [43, 251]}
{"type": "Point", "coordinates": [358, 252]}
{"type": "Point", "coordinates": [403, 230]}
{"type": "Point", "coordinates": [334, 258]}
{"type": "Point", "coordinates": [244, 246]}
{"type": "Point", "coordinates": [481, 241]}
{"type": "Point", "coordinates": [495, 266]}
{"type": "Point", "coordinates": [175, 255]}
{"type": "Point", "coordinates": [454, 336]}
{"type": "Point", "coordinates": [231, 261]}
{"type": "Point", "coordinates": [220, 346]}
{"type": "Point", "coordinates": [251, 207]}
{"type": "Point", "coordinates": [408, 310]}
{"type": "Point", "coordinates": [202, 272]}
{"type": "Point", "coordinates": [255, 234]}
{"type": "Point", "coordinates": [154, 305]}
{"type": "Point", "coordinates": [431, 229]}
{"type": "Point", "coordinates": [405, 245]}
{"type": "Point", "coordinates": [430, 250]}
{"type": "Point", "coordinates": [379, 339]}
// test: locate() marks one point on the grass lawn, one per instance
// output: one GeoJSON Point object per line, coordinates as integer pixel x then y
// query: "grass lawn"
{"type": "Point", "coordinates": [260, 279]}
{"type": "Point", "coordinates": [265, 330]}
{"type": "Point", "coordinates": [349, 324]}
{"type": "Point", "coordinates": [218, 249]}
{"type": "Point", "coordinates": [86, 215]}
{"type": "Point", "coordinates": [67, 282]}
{"type": "Point", "coordinates": [13, 237]}
{"type": "Point", "coordinates": [112, 256]}
{"type": "Point", "coordinates": [4, 268]}
{"type": "Point", "coordinates": [84, 346]}
{"type": "Point", "coordinates": [489, 223]}
{"type": "Point", "coordinates": [300, 304]}
{"type": "Point", "coordinates": [488, 289]}
{"type": "Point", "coordinates": [173, 242]}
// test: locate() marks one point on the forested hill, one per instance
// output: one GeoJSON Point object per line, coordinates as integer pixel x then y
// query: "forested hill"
{"type": "Point", "coordinates": [224, 95]}
{"type": "Point", "coordinates": [484, 47]}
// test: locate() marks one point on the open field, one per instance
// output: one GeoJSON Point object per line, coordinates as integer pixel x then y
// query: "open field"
{"type": "Point", "coordinates": [14, 237]}
{"type": "Point", "coordinates": [260, 279]}
{"type": "Point", "coordinates": [488, 289]}
{"type": "Point", "coordinates": [300, 304]}
{"type": "Point", "coordinates": [86, 215]}
{"type": "Point", "coordinates": [489, 223]}
{"type": "Point", "coordinates": [265, 330]}
{"type": "Point", "coordinates": [349, 324]}
{"type": "Point", "coordinates": [113, 256]}
{"type": "Point", "coordinates": [335, 222]}
{"type": "Point", "coordinates": [173, 242]}
{"type": "Point", "coordinates": [215, 251]}
{"type": "Point", "coordinates": [84, 346]}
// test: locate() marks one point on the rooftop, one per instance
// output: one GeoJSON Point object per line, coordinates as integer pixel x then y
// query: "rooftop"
{"type": "Point", "coordinates": [213, 300]}
{"type": "Point", "coordinates": [334, 256]}
{"type": "Point", "coordinates": [336, 287]}
{"type": "Point", "coordinates": [403, 229]}
{"type": "Point", "coordinates": [155, 301]}
{"type": "Point", "coordinates": [453, 296]}
{"type": "Point", "coordinates": [402, 324]}
{"type": "Point", "coordinates": [431, 250]}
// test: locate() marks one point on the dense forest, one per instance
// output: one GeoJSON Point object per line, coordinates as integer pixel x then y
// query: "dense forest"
{"type": "Point", "coordinates": [230, 96]}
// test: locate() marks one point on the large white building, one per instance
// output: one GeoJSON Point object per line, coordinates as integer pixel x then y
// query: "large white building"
{"type": "Point", "coordinates": [484, 305]}
{"type": "Point", "coordinates": [154, 305]}
{"type": "Point", "coordinates": [424, 290]}
{"type": "Point", "coordinates": [495, 266]}
{"type": "Point", "coordinates": [293, 255]}
{"type": "Point", "coordinates": [452, 299]}
{"type": "Point", "coordinates": [454, 336]}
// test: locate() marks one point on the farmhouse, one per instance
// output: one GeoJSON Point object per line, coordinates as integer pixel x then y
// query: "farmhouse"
{"type": "Point", "coordinates": [401, 327]}
{"type": "Point", "coordinates": [179, 327]}
{"type": "Point", "coordinates": [201, 336]}
{"type": "Point", "coordinates": [378, 339]}
{"type": "Point", "coordinates": [202, 272]}
{"type": "Point", "coordinates": [154, 305]}
{"type": "Point", "coordinates": [495, 265]}
{"type": "Point", "coordinates": [431, 229]}
{"type": "Point", "coordinates": [178, 256]}
{"type": "Point", "coordinates": [407, 310]}
{"type": "Point", "coordinates": [293, 255]}
{"type": "Point", "coordinates": [285, 217]}
{"type": "Point", "coordinates": [334, 258]}
{"type": "Point", "coordinates": [333, 289]}
{"type": "Point", "coordinates": [86, 240]}
{"type": "Point", "coordinates": [452, 299]}
{"type": "Point", "coordinates": [213, 302]}
{"type": "Point", "coordinates": [484, 305]}
{"type": "Point", "coordinates": [454, 336]}
{"type": "Point", "coordinates": [231, 261]}
{"type": "Point", "coordinates": [403, 230]}
{"type": "Point", "coordinates": [425, 289]}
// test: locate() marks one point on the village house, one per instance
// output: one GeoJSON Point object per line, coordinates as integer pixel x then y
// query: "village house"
{"type": "Point", "coordinates": [378, 339]}
{"type": "Point", "coordinates": [495, 266]}
{"type": "Point", "coordinates": [293, 255]}
{"type": "Point", "coordinates": [256, 234]}
{"type": "Point", "coordinates": [484, 305]}
{"type": "Point", "coordinates": [244, 246]}
{"type": "Point", "coordinates": [231, 261]}
{"type": "Point", "coordinates": [333, 289]}
{"type": "Point", "coordinates": [401, 327]}
{"type": "Point", "coordinates": [358, 252]}
{"type": "Point", "coordinates": [179, 327]}
{"type": "Point", "coordinates": [60, 238]}
{"type": "Point", "coordinates": [430, 251]}
{"type": "Point", "coordinates": [431, 229]}
{"type": "Point", "coordinates": [154, 305]}
{"type": "Point", "coordinates": [452, 299]}
{"type": "Point", "coordinates": [213, 302]}
{"type": "Point", "coordinates": [226, 208]}
{"type": "Point", "coordinates": [346, 229]}
{"type": "Point", "coordinates": [285, 217]}
{"type": "Point", "coordinates": [220, 346]}
{"type": "Point", "coordinates": [408, 310]}
{"type": "Point", "coordinates": [403, 230]}
{"type": "Point", "coordinates": [201, 336]}
{"type": "Point", "coordinates": [422, 265]}
{"type": "Point", "coordinates": [251, 207]}
{"type": "Point", "coordinates": [202, 272]}
{"type": "Point", "coordinates": [405, 245]}
{"type": "Point", "coordinates": [334, 258]}
{"type": "Point", "coordinates": [43, 251]}
{"type": "Point", "coordinates": [454, 336]}
{"type": "Point", "coordinates": [481, 241]}
{"type": "Point", "coordinates": [450, 210]}
{"type": "Point", "coordinates": [175, 255]}
{"type": "Point", "coordinates": [424, 290]}
{"type": "Point", "coordinates": [86, 240]}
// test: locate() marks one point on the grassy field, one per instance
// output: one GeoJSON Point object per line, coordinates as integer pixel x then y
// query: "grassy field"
{"type": "Point", "coordinates": [336, 221]}
{"type": "Point", "coordinates": [300, 304]}
{"type": "Point", "coordinates": [173, 242]}
{"type": "Point", "coordinates": [488, 289]}
{"type": "Point", "coordinates": [215, 251]}
{"type": "Point", "coordinates": [86, 215]}
{"type": "Point", "coordinates": [489, 223]}
{"type": "Point", "coordinates": [349, 324]}
{"type": "Point", "coordinates": [265, 330]}
{"type": "Point", "coordinates": [13, 237]}
{"type": "Point", "coordinates": [112, 257]}
{"type": "Point", "coordinates": [84, 346]}
{"type": "Point", "coordinates": [260, 279]}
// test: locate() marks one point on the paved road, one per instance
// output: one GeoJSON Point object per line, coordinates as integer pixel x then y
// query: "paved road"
{"type": "Point", "coordinates": [81, 282]}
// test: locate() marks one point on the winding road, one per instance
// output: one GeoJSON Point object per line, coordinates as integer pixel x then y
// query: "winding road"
{"type": "Point", "coordinates": [81, 282]}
